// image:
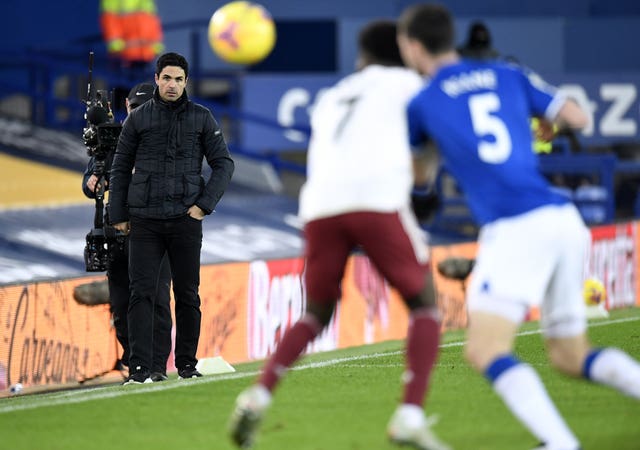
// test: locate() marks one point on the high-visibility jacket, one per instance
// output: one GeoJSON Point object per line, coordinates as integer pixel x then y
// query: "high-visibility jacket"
{"type": "Point", "coordinates": [131, 29]}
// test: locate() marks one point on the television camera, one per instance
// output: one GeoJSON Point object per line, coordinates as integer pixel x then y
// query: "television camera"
{"type": "Point", "coordinates": [100, 136]}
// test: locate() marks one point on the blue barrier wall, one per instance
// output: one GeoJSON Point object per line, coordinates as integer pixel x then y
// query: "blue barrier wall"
{"type": "Point", "coordinates": [612, 98]}
{"type": "Point", "coordinates": [596, 45]}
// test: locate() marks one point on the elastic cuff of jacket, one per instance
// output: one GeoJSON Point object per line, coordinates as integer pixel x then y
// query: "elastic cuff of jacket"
{"type": "Point", "coordinates": [588, 362]}
{"type": "Point", "coordinates": [205, 210]}
{"type": "Point", "coordinates": [499, 366]}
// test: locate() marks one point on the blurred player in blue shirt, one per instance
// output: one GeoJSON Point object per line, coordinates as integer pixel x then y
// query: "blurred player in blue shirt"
{"type": "Point", "coordinates": [532, 242]}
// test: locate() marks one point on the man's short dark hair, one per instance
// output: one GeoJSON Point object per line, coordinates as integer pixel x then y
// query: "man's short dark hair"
{"type": "Point", "coordinates": [431, 24]}
{"type": "Point", "coordinates": [378, 44]}
{"type": "Point", "coordinates": [172, 59]}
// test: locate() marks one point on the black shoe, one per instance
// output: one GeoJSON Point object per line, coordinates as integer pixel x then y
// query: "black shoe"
{"type": "Point", "coordinates": [139, 376]}
{"type": "Point", "coordinates": [158, 376]}
{"type": "Point", "coordinates": [188, 371]}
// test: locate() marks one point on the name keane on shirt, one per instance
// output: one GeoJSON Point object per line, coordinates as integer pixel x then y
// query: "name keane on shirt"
{"type": "Point", "coordinates": [469, 81]}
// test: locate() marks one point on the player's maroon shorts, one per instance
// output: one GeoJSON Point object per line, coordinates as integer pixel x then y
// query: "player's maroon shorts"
{"type": "Point", "coordinates": [392, 241]}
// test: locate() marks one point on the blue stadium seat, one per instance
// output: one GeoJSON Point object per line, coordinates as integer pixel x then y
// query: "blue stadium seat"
{"type": "Point", "coordinates": [592, 203]}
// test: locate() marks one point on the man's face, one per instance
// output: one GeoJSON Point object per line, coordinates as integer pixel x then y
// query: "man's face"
{"type": "Point", "coordinates": [407, 51]}
{"type": "Point", "coordinates": [171, 83]}
{"type": "Point", "coordinates": [415, 56]}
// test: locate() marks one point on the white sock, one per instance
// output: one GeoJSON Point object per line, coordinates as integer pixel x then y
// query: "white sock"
{"type": "Point", "coordinates": [614, 368]}
{"type": "Point", "coordinates": [522, 391]}
{"type": "Point", "coordinates": [412, 415]}
{"type": "Point", "coordinates": [260, 396]}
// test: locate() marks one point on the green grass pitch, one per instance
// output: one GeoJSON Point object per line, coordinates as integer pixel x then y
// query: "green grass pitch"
{"type": "Point", "coordinates": [337, 400]}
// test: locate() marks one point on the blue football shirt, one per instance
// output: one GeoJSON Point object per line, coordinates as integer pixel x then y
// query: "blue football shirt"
{"type": "Point", "coordinates": [478, 114]}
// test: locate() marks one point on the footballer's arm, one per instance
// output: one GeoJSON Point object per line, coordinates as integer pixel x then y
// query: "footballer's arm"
{"type": "Point", "coordinates": [572, 116]}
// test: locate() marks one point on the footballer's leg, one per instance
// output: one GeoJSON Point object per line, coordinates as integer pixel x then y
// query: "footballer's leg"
{"type": "Point", "coordinates": [247, 414]}
{"type": "Point", "coordinates": [489, 350]}
{"type": "Point", "coordinates": [511, 274]}
{"type": "Point", "coordinates": [564, 323]}
{"type": "Point", "coordinates": [614, 368]}
{"type": "Point", "coordinates": [409, 425]}
{"type": "Point", "coordinates": [568, 354]}
{"type": "Point", "coordinates": [326, 254]}
{"type": "Point", "coordinates": [393, 243]}
{"type": "Point", "coordinates": [609, 366]}
{"type": "Point", "coordinates": [253, 402]}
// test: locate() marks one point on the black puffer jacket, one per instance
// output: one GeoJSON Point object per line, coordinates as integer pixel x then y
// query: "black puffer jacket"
{"type": "Point", "coordinates": [157, 168]}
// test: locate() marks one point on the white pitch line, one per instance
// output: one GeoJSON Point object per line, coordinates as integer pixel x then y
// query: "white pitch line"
{"type": "Point", "coordinates": [84, 395]}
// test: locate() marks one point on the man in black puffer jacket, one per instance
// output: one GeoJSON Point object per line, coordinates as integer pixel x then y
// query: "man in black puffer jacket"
{"type": "Point", "coordinates": [159, 196]}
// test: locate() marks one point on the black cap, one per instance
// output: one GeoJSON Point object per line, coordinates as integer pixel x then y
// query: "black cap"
{"type": "Point", "coordinates": [140, 93]}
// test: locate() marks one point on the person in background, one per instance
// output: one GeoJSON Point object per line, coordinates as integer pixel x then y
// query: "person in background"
{"type": "Point", "coordinates": [118, 273]}
{"type": "Point", "coordinates": [478, 44]}
{"type": "Point", "coordinates": [532, 240]}
{"type": "Point", "coordinates": [357, 194]}
{"type": "Point", "coordinates": [132, 31]}
{"type": "Point", "coordinates": [159, 196]}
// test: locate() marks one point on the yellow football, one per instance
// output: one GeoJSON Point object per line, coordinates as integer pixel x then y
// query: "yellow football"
{"type": "Point", "coordinates": [593, 291]}
{"type": "Point", "coordinates": [242, 32]}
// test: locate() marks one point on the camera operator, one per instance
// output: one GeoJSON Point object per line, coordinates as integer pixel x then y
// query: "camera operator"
{"type": "Point", "coordinates": [118, 270]}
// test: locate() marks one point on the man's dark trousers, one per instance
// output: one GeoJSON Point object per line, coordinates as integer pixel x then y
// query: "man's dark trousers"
{"type": "Point", "coordinates": [181, 238]}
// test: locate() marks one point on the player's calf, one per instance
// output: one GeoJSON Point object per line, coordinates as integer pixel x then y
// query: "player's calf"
{"type": "Point", "coordinates": [614, 368]}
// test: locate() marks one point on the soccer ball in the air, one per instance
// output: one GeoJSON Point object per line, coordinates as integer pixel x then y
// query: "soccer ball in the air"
{"type": "Point", "coordinates": [594, 292]}
{"type": "Point", "coordinates": [242, 32]}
